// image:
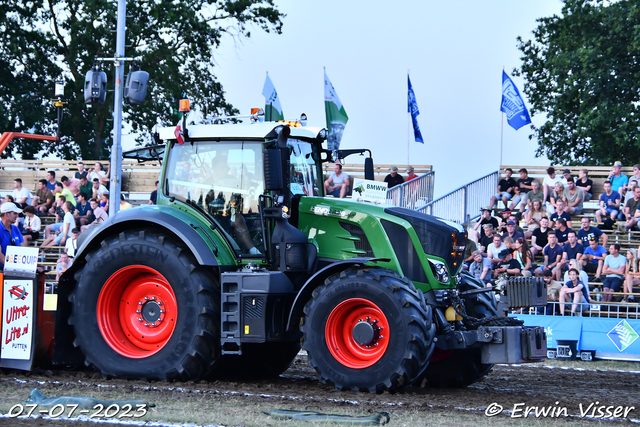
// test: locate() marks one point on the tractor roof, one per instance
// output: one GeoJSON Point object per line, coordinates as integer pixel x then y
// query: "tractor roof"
{"type": "Point", "coordinates": [238, 131]}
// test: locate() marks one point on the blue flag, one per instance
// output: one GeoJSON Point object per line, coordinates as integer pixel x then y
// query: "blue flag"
{"type": "Point", "coordinates": [513, 104]}
{"type": "Point", "coordinates": [413, 109]}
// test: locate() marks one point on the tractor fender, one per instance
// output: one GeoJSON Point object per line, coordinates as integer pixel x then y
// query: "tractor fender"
{"type": "Point", "coordinates": [318, 279]}
{"type": "Point", "coordinates": [152, 217]}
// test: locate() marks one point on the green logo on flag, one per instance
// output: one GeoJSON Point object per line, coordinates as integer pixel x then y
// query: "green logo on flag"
{"type": "Point", "coordinates": [622, 335]}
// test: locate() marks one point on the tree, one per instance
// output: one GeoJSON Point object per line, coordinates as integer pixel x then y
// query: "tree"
{"type": "Point", "coordinates": [581, 69]}
{"type": "Point", "coordinates": [172, 40]}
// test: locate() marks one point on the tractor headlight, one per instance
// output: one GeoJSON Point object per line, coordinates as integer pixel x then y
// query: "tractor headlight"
{"type": "Point", "coordinates": [439, 270]}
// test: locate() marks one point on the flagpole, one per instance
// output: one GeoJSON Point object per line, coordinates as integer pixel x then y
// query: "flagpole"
{"type": "Point", "coordinates": [501, 133]}
{"type": "Point", "coordinates": [409, 125]}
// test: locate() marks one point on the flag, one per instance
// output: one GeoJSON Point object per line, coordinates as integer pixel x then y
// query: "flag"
{"type": "Point", "coordinates": [272, 108]}
{"type": "Point", "coordinates": [513, 104]}
{"type": "Point", "coordinates": [413, 110]}
{"type": "Point", "coordinates": [336, 116]}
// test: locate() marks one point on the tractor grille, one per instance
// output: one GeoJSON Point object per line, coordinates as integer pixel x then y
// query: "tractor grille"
{"type": "Point", "coordinates": [363, 243]}
{"type": "Point", "coordinates": [253, 307]}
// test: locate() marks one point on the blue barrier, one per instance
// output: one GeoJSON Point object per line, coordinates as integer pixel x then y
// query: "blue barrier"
{"type": "Point", "coordinates": [609, 338]}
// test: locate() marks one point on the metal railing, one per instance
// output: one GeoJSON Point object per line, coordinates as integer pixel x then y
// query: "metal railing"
{"type": "Point", "coordinates": [413, 194]}
{"type": "Point", "coordinates": [464, 204]}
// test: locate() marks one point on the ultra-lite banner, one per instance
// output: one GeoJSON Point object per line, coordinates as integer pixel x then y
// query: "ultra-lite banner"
{"type": "Point", "coordinates": [17, 319]}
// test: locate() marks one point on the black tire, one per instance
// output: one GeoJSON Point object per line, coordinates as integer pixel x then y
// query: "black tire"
{"type": "Point", "coordinates": [460, 368]}
{"type": "Point", "coordinates": [396, 363]}
{"type": "Point", "coordinates": [190, 341]}
{"type": "Point", "coordinates": [257, 361]}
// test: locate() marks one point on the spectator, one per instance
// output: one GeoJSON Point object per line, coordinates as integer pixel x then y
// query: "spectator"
{"type": "Point", "coordinates": [495, 249]}
{"type": "Point", "coordinates": [574, 291]}
{"type": "Point", "coordinates": [511, 231]}
{"type": "Point", "coordinates": [609, 203]}
{"type": "Point", "coordinates": [124, 205]}
{"type": "Point", "coordinates": [81, 172]}
{"type": "Point", "coordinates": [582, 275]}
{"type": "Point", "coordinates": [560, 213]}
{"type": "Point", "coordinates": [99, 214]}
{"type": "Point", "coordinates": [523, 186]}
{"type": "Point", "coordinates": [508, 242]}
{"type": "Point", "coordinates": [73, 185]}
{"type": "Point", "coordinates": [593, 258]}
{"type": "Point", "coordinates": [552, 255]}
{"type": "Point", "coordinates": [555, 197]}
{"type": "Point", "coordinates": [480, 268]}
{"type": "Point", "coordinates": [153, 199]}
{"type": "Point", "coordinates": [562, 231]}
{"type": "Point", "coordinates": [43, 199]}
{"type": "Point", "coordinates": [587, 232]}
{"type": "Point", "coordinates": [394, 178]}
{"type": "Point", "coordinates": [636, 175]}
{"type": "Point", "coordinates": [539, 237]}
{"type": "Point", "coordinates": [104, 201]}
{"type": "Point", "coordinates": [632, 277]}
{"type": "Point", "coordinates": [86, 186]}
{"type": "Point", "coordinates": [51, 181]}
{"type": "Point", "coordinates": [508, 265]}
{"type": "Point", "coordinates": [487, 237]}
{"type": "Point", "coordinates": [57, 211]}
{"type": "Point", "coordinates": [99, 173]}
{"type": "Point", "coordinates": [553, 292]}
{"type": "Point", "coordinates": [573, 198]}
{"type": "Point", "coordinates": [505, 190]}
{"type": "Point", "coordinates": [534, 215]}
{"type": "Point", "coordinates": [83, 211]}
{"type": "Point", "coordinates": [523, 256]}
{"type": "Point", "coordinates": [585, 184]}
{"type": "Point", "coordinates": [571, 250]}
{"type": "Point", "coordinates": [485, 218]}
{"type": "Point", "coordinates": [337, 185]}
{"type": "Point", "coordinates": [614, 268]}
{"type": "Point", "coordinates": [618, 179]}
{"type": "Point", "coordinates": [631, 211]}
{"type": "Point", "coordinates": [68, 224]}
{"type": "Point", "coordinates": [72, 244]}
{"type": "Point", "coordinates": [60, 190]}
{"type": "Point", "coordinates": [549, 182]}
{"type": "Point", "coordinates": [533, 195]}
{"type": "Point", "coordinates": [470, 248]}
{"type": "Point", "coordinates": [410, 174]}
{"type": "Point", "coordinates": [630, 187]}
{"type": "Point", "coordinates": [504, 218]}
{"type": "Point", "coordinates": [62, 265]}
{"type": "Point", "coordinates": [97, 190]}
{"type": "Point", "coordinates": [566, 174]}
{"type": "Point", "coordinates": [21, 195]}
{"type": "Point", "coordinates": [32, 224]}
{"type": "Point", "coordinates": [9, 234]}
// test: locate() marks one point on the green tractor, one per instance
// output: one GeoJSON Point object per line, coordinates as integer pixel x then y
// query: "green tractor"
{"type": "Point", "coordinates": [242, 262]}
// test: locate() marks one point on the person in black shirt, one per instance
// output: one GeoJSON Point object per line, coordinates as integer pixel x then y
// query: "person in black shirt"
{"type": "Point", "coordinates": [562, 231]}
{"type": "Point", "coordinates": [508, 265]}
{"type": "Point", "coordinates": [394, 178]}
{"type": "Point", "coordinates": [524, 186]}
{"type": "Point", "coordinates": [487, 237]}
{"type": "Point", "coordinates": [485, 218]}
{"type": "Point", "coordinates": [539, 238]}
{"type": "Point", "coordinates": [505, 190]}
{"type": "Point", "coordinates": [153, 199]}
{"type": "Point", "coordinates": [585, 183]}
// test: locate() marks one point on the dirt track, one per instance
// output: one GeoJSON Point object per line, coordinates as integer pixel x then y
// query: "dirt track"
{"type": "Point", "coordinates": [299, 388]}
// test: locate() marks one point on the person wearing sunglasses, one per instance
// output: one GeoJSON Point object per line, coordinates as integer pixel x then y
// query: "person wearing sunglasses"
{"type": "Point", "coordinates": [9, 234]}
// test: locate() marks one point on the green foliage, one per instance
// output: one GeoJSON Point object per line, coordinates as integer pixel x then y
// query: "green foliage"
{"type": "Point", "coordinates": [174, 41]}
{"type": "Point", "coordinates": [581, 70]}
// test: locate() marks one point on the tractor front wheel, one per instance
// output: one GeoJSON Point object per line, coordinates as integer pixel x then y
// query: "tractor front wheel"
{"type": "Point", "coordinates": [144, 309]}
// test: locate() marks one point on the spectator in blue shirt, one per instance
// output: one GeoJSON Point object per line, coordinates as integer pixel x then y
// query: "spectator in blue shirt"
{"type": "Point", "coordinates": [586, 233]}
{"type": "Point", "coordinates": [593, 259]}
{"type": "Point", "coordinates": [571, 250]}
{"type": "Point", "coordinates": [618, 179]}
{"type": "Point", "coordinates": [9, 234]}
{"type": "Point", "coordinates": [609, 203]}
{"type": "Point", "coordinates": [576, 291]}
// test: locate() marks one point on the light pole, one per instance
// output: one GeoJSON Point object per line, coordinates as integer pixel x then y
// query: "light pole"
{"type": "Point", "coordinates": [59, 102]}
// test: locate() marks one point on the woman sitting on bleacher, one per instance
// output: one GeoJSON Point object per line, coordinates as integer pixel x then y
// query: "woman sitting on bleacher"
{"type": "Point", "coordinates": [32, 224]}
{"type": "Point", "coordinates": [523, 255]}
{"type": "Point", "coordinates": [534, 215]}
{"type": "Point", "coordinates": [554, 198]}
{"type": "Point", "coordinates": [632, 276]}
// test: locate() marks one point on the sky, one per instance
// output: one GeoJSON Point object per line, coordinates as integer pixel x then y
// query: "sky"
{"type": "Point", "coordinates": [453, 50]}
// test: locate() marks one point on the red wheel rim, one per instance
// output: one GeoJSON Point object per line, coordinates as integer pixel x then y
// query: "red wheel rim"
{"type": "Point", "coordinates": [137, 311]}
{"type": "Point", "coordinates": [339, 333]}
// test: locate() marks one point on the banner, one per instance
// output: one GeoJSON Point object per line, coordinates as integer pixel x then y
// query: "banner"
{"type": "Point", "coordinates": [413, 110]}
{"type": "Point", "coordinates": [17, 319]}
{"type": "Point", "coordinates": [272, 107]}
{"type": "Point", "coordinates": [513, 104]}
{"type": "Point", "coordinates": [370, 191]}
{"type": "Point", "coordinates": [336, 115]}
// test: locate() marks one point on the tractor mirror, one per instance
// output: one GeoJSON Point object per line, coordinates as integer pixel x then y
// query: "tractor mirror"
{"type": "Point", "coordinates": [273, 180]}
{"type": "Point", "coordinates": [283, 134]}
{"type": "Point", "coordinates": [368, 168]}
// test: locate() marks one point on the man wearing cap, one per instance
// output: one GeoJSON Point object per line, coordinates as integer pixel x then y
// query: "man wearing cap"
{"type": "Point", "coordinates": [593, 258]}
{"type": "Point", "coordinates": [9, 234]}
{"type": "Point", "coordinates": [618, 179]}
{"type": "Point", "coordinates": [410, 174]}
{"type": "Point", "coordinates": [506, 188]}
{"type": "Point", "coordinates": [512, 232]}
{"type": "Point", "coordinates": [508, 265]}
{"type": "Point", "coordinates": [338, 183]}
{"type": "Point", "coordinates": [394, 178]}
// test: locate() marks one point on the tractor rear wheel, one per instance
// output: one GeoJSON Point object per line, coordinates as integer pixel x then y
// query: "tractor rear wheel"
{"type": "Point", "coordinates": [460, 368]}
{"type": "Point", "coordinates": [144, 309]}
{"type": "Point", "coordinates": [368, 330]}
